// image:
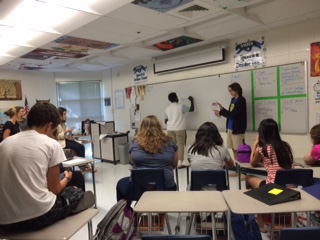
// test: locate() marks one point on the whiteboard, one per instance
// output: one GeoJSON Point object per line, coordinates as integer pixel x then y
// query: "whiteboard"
{"type": "Point", "coordinates": [267, 92]}
{"type": "Point", "coordinates": [265, 82]}
{"type": "Point", "coordinates": [205, 91]}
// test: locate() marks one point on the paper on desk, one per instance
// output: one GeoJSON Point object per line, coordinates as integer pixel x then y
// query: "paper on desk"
{"type": "Point", "coordinates": [101, 123]}
{"type": "Point", "coordinates": [213, 107]}
{"type": "Point", "coordinates": [103, 135]}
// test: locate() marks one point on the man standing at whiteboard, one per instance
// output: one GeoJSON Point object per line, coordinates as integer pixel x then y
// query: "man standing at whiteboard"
{"type": "Point", "coordinates": [176, 122]}
{"type": "Point", "coordinates": [236, 117]}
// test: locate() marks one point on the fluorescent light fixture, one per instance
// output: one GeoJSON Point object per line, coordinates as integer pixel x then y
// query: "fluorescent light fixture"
{"type": "Point", "coordinates": [4, 60]}
{"type": "Point", "coordinates": [17, 36]}
{"type": "Point", "coordinates": [4, 48]}
{"type": "Point", "coordinates": [34, 15]}
{"type": "Point", "coordinates": [82, 5]}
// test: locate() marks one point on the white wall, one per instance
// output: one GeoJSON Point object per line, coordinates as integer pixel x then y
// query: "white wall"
{"type": "Point", "coordinates": [36, 85]}
{"type": "Point", "coordinates": [284, 45]}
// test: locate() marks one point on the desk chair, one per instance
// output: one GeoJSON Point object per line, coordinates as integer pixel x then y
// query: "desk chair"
{"type": "Point", "coordinates": [149, 179]}
{"type": "Point", "coordinates": [291, 178]}
{"type": "Point", "coordinates": [309, 233]}
{"type": "Point", "coordinates": [294, 177]}
{"type": "Point", "coordinates": [60, 230]}
{"type": "Point", "coordinates": [208, 180]}
{"type": "Point", "coordinates": [202, 179]}
{"type": "Point", "coordinates": [146, 180]}
{"type": "Point", "coordinates": [174, 237]}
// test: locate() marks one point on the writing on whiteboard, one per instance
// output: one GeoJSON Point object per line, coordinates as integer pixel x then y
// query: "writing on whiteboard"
{"type": "Point", "coordinates": [264, 77]}
{"type": "Point", "coordinates": [292, 105]}
{"type": "Point", "coordinates": [292, 80]}
{"type": "Point", "coordinates": [266, 108]}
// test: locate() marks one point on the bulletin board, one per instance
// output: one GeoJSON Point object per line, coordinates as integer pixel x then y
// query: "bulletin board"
{"type": "Point", "coordinates": [278, 92]}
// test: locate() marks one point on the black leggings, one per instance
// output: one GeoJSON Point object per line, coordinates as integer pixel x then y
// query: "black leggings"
{"type": "Point", "coordinates": [77, 147]}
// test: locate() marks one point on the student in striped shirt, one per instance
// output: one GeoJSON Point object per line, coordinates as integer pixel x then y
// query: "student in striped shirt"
{"type": "Point", "coordinates": [272, 152]}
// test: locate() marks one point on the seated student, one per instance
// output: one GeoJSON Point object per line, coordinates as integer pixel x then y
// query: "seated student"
{"type": "Point", "coordinates": [63, 138]}
{"type": "Point", "coordinates": [313, 157]}
{"type": "Point", "coordinates": [11, 126]}
{"type": "Point", "coordinates": [68, 142]}
{"type": "Point", "coordinates": [151, 148]}
{"type": "Point", "coordinates": [35, 196]}
{"type": "Point", "coordinates": [208, 151]}
{"type": "Point", "coordinates": [77, 179]}
{"type": "Point", "coordinates": [273, 152]}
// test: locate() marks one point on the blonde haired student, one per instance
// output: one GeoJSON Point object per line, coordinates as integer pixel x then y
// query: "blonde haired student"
{"type": "Point", "coordinates": [12, 127]}
{"type": "Point", "coordinates": [151, 148]}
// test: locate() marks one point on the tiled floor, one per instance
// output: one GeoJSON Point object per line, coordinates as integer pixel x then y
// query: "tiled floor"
{"type": "Point", "coordinates": [107, 176]}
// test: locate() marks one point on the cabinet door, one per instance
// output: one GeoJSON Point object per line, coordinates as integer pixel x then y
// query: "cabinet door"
{"type": "Point", "coordinates": [95, 133]}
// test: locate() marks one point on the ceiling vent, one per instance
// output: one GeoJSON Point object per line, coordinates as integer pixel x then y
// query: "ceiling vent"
{"type": "Point", "coordinates": [194, 11]}
{"type": "Point", "coordinates": [194, 8]}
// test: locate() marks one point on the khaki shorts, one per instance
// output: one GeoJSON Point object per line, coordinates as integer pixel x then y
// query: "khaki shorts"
{"type": "Point", "coordinates": [234, 140]}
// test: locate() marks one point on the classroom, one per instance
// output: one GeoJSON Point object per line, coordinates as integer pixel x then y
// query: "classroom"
{"type": "Point", "coordinates": [288, 32]}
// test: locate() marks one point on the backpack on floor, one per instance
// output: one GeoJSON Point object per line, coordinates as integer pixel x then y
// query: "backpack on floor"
{"type": "Point", "coordinates": [244, 152]}
{"type": "Point", "coordinates": [115, 225]}
{"type": "Point", "coordinates": [245, 227]}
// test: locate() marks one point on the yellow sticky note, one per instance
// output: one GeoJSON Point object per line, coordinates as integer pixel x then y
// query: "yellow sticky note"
{"type": "Point", "coordinates": [275, 191]}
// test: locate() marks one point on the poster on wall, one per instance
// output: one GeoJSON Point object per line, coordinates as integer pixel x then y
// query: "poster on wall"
{"type": "Point", "coordinates": [315, 59]}
{"type": "Point", "coordinates": [119, 99]}
{"type": "Point", "coordinates": [249, 54]}
{"type": "Point", "coordinates": [140, 74]}
{"type": "Point", "coordinates": [10, 90]}
{"type": "Point", "coordinates": [316, 88]}
{"type": "Point", "coordinates": [3, 117]}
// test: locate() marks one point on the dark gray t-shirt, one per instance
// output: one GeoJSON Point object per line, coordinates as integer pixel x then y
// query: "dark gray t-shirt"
{"type": "Point", "coordinates": [162, 160]}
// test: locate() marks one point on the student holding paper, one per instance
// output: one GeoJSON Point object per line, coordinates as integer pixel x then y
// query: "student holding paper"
{"type": "Point", "coordinates": [236, 117]}
{"type": "Point", "coordinates": [274, 153]}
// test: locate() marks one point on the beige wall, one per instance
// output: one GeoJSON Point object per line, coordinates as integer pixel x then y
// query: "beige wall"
{"type": "Point", "coordinates": [37, 85]}
{"type": "Point", "coordinates": [284, 45]}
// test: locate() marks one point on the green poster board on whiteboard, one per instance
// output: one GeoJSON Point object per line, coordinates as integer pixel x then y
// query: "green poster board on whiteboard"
{"type": "Point", "coordinates": [278, 92]}
{"type": "Point", "coordinates": [281, 93]}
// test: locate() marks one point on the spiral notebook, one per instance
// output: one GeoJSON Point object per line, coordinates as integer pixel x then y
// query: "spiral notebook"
{"type": "Point", "coordinates": [272, 194]}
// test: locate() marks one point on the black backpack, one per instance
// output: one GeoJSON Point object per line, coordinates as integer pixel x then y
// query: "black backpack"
{"type": "Point", "coordinates": [114, 226]}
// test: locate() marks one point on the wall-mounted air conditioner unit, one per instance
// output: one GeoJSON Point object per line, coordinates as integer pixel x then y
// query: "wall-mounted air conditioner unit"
{"type": "Point", "coordinates": [190, 59]}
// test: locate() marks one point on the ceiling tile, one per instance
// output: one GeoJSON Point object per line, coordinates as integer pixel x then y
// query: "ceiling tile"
{"type": "Point", "coordinates": [146, 17]}
{"type": "Point", "coordinates": [111, 25]}
{"type": "Point", "coordinates": [84, 32]}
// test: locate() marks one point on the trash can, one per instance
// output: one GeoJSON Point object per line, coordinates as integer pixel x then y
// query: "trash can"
{"type": "Point", "coordinates": [124, 153]}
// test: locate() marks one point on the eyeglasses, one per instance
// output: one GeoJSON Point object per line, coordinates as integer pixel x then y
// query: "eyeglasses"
{"type": "Point", "coordinates": [230, 90]}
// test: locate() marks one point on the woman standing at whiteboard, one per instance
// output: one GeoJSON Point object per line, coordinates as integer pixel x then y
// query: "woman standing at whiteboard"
{"type": "Point", "coordinates": [236, 117]}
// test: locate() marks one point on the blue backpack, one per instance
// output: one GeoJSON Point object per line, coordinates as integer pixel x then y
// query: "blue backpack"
{"type": "Point", "coordinates": [245, 227]}
{"type": "Point", "coordinates": [244, 152]}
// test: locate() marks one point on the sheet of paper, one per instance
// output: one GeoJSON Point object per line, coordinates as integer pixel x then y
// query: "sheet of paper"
{"type": "Point", "coordinates": [213, 107]}
{"type": "Point", "coordinates": [138, 116]}
{"type": "Point", "coordinates": [102, 136]}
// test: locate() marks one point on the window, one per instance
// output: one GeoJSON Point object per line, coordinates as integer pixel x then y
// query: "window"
{"type": "Point", "coordinates": [82, 101]}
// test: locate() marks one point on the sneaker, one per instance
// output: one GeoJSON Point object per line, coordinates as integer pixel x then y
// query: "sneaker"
{"type": "Point", "coordinates": [180, 164]}
{"type": "Point", "coordinates": [185, 163]}
{"type": "Point", "coordinates": [243, 177]}
{"type": "Point", "coordinates": [233, 174]}
{"type": "Point", "coordinates": [315, 219]}
{"type": "Point", "coordinates": [87, 201]}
